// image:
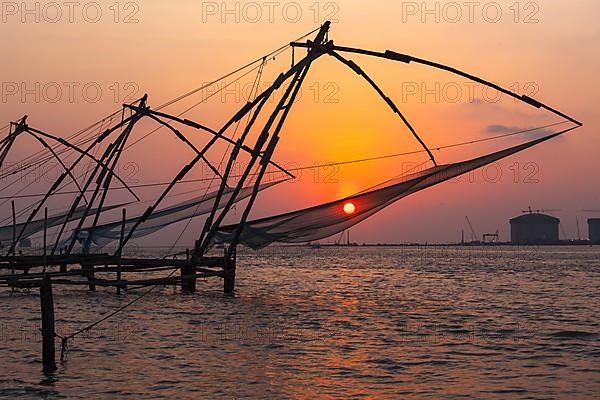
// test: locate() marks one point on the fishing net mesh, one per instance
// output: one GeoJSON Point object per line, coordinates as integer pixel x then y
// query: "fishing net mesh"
{"type": "Point", "coordinates": [201, 205]}
{"type": "Point", "coordinates": [328, 219]}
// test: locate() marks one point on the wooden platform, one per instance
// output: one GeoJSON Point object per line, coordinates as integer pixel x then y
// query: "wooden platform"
{"type": "Point", "coordinates": [29, 271]}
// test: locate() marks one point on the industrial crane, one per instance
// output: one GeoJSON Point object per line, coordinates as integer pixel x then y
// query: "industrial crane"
{"type": "Point", "coordinates": [473, 234]}
{"type": "Point", "coordinates": [494, 237]}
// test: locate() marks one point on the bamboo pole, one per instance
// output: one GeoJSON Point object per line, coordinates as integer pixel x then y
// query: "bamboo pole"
{"type": "Point", "coordinates": [45, 236]}
{"type": "Point", "coordinates": [229, 274]}
{"type": "Point", "coordinates": [14, 229]}
{"type": "Point", "coordinates": [14, 234]}
{"type": "Point", "coordinates": [121, 248]}
{"type": "Point", "coordinates": [48, 328]}
{"type": "Point", "coordinates": [188, 279]}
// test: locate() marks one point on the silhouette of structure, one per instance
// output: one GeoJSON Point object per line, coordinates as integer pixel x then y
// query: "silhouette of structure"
{"type": "Point", "coordinates": [80, 229]}
{"type": "Point", "coordinates": [71, 258]}
{"type": "Point", "coordinates": [594, 230]}
{"type": "Point", "coordinates": [534, 228]}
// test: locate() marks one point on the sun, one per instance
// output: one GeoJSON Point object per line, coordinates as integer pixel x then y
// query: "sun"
{"type": "Point", "coordinates": [349, 208]}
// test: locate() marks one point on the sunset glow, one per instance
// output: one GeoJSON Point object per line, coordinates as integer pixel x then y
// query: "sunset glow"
{"type": "Point", "coordinates": [337, 117]}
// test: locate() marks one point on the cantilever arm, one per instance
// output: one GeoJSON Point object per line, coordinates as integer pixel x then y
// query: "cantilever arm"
{"type": "Point", "coordinates": [9, 140]}
{"type": "Point", "coordinates": [217, 135]}
{"type": "Point", "coordinates": [181, 137]}
{"type": "Point", "coordinates": [393, 56]}
{"type": "Point", "coordinates": [352, 65]}
{"type": "Point", "coordinates": [6, 146]}
{"type": "Point", "coordinates": [198, 126]}
{"type": "Point", "coordinates": [60, 161]}
{"type": "Point", "coordinates": [83, 152]}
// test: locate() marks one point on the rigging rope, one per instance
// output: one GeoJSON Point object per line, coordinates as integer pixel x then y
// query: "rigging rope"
{"type": "Point", "coordinates": [253, 92]}
{"type": "Point", "coordinates": [65, 339]}
{"type": "Point", "coordinates": [22, 212]}
{"type": "Point", "coordinates": [260, 68]}
{"type": "Point", "coordinates": [331, 164]}
{"type": "Point", "coordinates": [88, 139]}
{"type": "Point", "coordinates": [39, 153]}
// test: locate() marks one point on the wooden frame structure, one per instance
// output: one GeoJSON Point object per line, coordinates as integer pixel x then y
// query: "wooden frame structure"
{"type": "Point", "coordinates": [63, 266]}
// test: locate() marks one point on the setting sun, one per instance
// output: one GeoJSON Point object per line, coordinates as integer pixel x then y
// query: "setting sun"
{"type": "Point", "coordinates": [349, 208]}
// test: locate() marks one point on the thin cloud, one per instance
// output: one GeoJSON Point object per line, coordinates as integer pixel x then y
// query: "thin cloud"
{"type": "Point", "coordinates": [499, 129]}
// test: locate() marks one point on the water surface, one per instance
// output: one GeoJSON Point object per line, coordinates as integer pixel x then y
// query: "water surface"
{"type": "Point", "coordinates": [379, 323]}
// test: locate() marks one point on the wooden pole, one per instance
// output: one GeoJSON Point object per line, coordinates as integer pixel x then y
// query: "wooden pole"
{"type": "Point", "coordinates": [45, 235]}
{"type": "Point", "coordinates": [188, 283]}
{"type": "Point", "coordinates": [89, 273]}
{"type": "Point", "coordinates": [229, 274]}
{"type": "Point", "coordinates": [14, 229]}
{"type": "Point", "coordinates": [63, 266]}
{"type": "Point", "coordinates": [91, 286]}
{"type": "Point", "coordinates": [87, 268]}
{"type": "Point", "coordinates": [188, 279]}
{"type": "Point", "coordinates": [121, 249]}
{"type": "Point", "coordinates": [48, 331]}
{"type": "Point", "coordinates": [229, 280]}
{"type": "Point", "coordinates": [14, 235]}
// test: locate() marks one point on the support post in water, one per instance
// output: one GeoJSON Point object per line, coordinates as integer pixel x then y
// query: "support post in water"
{"type": "Point", "coordinates": [121, 250]}
{"type": "Point", "coordinates": [48, 332]}
{"type": "Point", "coordinates": [45, 236]}
{"type": "Point", "coordinates": [89, 273]}
{"type": "Point", "coordinates": [188, 279]}
{"type": "Point", "coordinates": [14, 229]}
{"type": "Point", "coordinates": [229, 274]}
{"type": "Point", "coordinates": [63, 266]}
{"type": "Point", "coordinates": [14, 235]}
{"type": "Point", "coordinates": [88, 269]}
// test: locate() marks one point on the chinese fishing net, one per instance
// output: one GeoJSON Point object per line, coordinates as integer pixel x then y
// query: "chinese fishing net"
{"type": "Point", "coordinates": [36, 226]}
{"type": "Point", "coordinates": [109, 232]}
{"type": "Point", "coordinates": [328, 219]}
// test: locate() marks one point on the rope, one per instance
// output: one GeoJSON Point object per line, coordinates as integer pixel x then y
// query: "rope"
{"type": "Point", "coordinates": [30, 164]}
{"type": "Point", "coordinates": [192, 107]}
{"type": "Point", "coordinates": [273, 54]}
{"type": "Point", "coordinates": [65, 339]}
{"type": "Point", "coordinates": [252, 94]}
{"type": "Point", "coordinates": [30, 207]}
{"type": "Point", "coordinates": [32, 161]}
{"type": "Point", "coordinates": [34, 181]}
{"type": "Point", "coordinates": [308, 167]}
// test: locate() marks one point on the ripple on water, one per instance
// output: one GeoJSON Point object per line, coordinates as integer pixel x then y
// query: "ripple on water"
{"type": "Point", "coordinates": [333, 323]}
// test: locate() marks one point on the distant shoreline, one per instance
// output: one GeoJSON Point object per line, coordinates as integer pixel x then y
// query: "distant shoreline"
{"type": "Point", "coordinates": [468, 244]}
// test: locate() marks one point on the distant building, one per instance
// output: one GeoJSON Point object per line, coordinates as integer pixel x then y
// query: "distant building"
{"type": "Point", "coordinates": [594, 226]}
{"type": "Point", "coordinates": [534, 228]}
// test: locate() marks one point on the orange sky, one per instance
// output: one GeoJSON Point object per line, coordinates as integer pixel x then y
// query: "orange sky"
{"type": "Point", "coordinates": [168, 48]}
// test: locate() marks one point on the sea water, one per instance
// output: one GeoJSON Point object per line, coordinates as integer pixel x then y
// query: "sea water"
{"type": "Point", "coordinates": [330, 323]}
